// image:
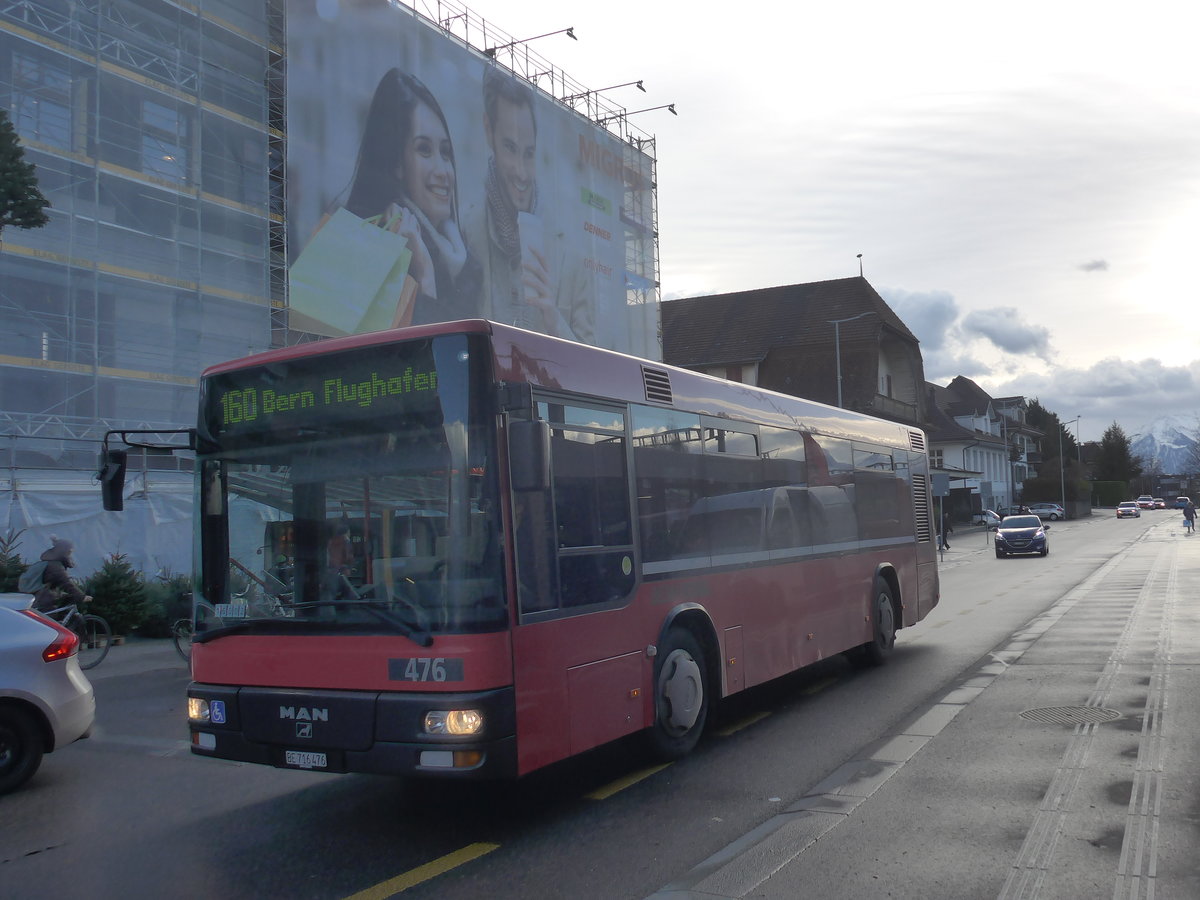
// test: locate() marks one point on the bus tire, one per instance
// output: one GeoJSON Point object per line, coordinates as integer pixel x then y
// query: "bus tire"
{"type": "Point", "coordinates": [680, 695]}
{"type": "Point", "coordinates": [883, 626]}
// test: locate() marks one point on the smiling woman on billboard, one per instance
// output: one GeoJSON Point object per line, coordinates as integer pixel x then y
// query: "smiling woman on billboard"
{"type": "Point", "coordinates": [407, 181]}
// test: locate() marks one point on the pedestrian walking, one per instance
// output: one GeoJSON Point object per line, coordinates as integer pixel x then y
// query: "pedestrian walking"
{"type": "Point", "coordinates": [1189, 518]}
{"type": "Point", "coordinates": [947, 530]}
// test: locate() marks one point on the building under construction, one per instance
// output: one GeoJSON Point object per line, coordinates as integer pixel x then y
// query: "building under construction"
{"type": "Point", "coordinates": [159, 132]}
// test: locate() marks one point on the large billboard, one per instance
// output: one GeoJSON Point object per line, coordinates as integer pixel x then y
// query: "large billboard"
{"type": "Point", "coordinates": [428, 182]}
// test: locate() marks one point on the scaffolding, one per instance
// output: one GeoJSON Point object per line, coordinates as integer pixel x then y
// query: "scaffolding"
{"type": "Point", "coordinates": [144, 120]}
{"type": "Point", "coordinates": [159, 134]}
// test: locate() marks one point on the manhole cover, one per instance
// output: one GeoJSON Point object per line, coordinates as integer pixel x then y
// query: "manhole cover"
{"type": "Point", "coordinates": [1070, 715]}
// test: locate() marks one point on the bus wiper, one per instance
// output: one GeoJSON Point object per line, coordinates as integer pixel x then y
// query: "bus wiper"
{"type": "Point", "coordinates": [419, 636]}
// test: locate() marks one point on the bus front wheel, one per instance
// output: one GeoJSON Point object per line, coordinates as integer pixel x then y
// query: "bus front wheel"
{"type": "Point", "coordinates": [883, 626]}
{"type": "Point", "coordinates": [680, 695]}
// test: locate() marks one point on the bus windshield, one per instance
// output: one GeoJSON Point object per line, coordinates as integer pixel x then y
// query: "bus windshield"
{"type": "Point", "coordinates": [330, 516]}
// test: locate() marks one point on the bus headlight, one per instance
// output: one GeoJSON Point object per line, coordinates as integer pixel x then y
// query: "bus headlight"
{"type": "Point", "coordinates": [454, 721]}
{"type": "Point", "coordinates": [198, 709]}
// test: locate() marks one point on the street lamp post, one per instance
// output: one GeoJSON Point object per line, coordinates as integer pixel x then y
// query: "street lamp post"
{"type": "Point", "coordinates": [1062, 463]}
{"type": "Point", "coordinates": [837, 349]}
{"type": "Point", "coordinates": [1008, 463]}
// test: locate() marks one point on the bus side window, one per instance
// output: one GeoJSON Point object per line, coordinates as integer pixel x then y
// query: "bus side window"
{"type": "Point", "coordinates": [666, 452]}
{"type": "Point", "coordinates": [800, 499]}
{"type": "Point", "coordinates": [831, 511]}
{"type": "Point", "coordinates": [591, 499]}
{"type": "Point", "coordinates": [781, 531]}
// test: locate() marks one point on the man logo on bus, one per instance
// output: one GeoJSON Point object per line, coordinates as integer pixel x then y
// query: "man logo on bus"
{"type": "Point", "coordinates": [304, 713]}
{"type": "Point", "coordinates": [304, 729]}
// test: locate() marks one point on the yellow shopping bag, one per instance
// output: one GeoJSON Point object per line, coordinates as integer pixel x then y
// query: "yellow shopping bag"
{"type": "Point", "coordinates": [350, 278]}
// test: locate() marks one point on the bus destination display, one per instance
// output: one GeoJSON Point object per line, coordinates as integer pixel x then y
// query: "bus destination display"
{"type": "Point", "coordinates": [300, 394]}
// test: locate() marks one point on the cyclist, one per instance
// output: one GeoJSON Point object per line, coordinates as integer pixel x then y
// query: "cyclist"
{"type": "Point", "coordinates": [56, 583]}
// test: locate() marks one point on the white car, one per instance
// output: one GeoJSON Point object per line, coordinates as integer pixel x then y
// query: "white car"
{"type": "Point", "coordinates": [46, 701]}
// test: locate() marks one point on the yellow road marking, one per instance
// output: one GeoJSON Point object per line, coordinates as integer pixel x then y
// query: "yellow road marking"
{"type": "Point", "coordinates": [420, 874]}
{"type": "Point", "coordinates": [744, 723]}
{"type": "Point", "coordinates": [603, 793]}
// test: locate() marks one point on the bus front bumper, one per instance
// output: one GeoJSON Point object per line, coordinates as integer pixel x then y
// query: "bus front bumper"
{"type": "Point", "coordinates": [352, 731]}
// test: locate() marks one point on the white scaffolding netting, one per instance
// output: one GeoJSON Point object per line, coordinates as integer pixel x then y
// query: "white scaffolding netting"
{"type": "Point", "coordinates": [154, 531]}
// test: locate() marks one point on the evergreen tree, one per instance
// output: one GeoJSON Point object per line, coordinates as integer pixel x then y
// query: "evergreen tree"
{"type": "Point", "coordinates": [1061, 474]}
{"type": "Point", "coordinates": [118, 594]}
{"type": "Point", "coordinates": [11, 564]}
{"type": "Point", "coordinates": [1049, 423]}
{"type": "Point", "coordinates": [21, 203]}
{"type": "Point", "coordinates": [1115, 461]}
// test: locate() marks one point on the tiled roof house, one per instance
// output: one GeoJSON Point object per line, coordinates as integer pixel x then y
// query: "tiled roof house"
{"type": "Point", "coordinates": [970, 430]}
{"type": "Point", "coordinates": [783, 338]}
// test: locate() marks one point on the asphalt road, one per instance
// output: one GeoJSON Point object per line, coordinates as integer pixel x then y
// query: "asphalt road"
{"type": "Point", "coordinates": [130, 813]}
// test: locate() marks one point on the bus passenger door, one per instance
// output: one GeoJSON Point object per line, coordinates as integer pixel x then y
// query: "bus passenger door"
{"type": "Point", "coordinates": [578, 663]}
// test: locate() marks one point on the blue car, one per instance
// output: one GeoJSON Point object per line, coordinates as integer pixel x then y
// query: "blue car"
{"type": "Point", "coordinates": [1024, 535]}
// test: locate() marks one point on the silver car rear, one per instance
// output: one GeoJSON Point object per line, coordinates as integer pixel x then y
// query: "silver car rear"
{"type": "Point", "coordinates": [46, 702]}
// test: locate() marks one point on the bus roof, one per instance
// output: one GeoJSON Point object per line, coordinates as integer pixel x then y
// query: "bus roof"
{"type": "Point", "coordinates": [557, 364]}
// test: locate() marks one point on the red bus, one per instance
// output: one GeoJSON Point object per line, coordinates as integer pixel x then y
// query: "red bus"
{"type": "Point", "coordinates": [471, 550]}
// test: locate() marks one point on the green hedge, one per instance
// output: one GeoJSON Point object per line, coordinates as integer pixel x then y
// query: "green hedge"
{"type": "Point", "coordinates": [1110, 493]}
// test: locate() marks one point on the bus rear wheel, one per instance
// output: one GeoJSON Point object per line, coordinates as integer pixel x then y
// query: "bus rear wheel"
{"type": "Point", "coordinates": [883, 627]}
{"type": "Point", "coordinates": [680, 695]}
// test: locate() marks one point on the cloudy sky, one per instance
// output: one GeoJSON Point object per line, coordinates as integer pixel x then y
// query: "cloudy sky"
{"type": "Point", "coordinates": [1022, 180]}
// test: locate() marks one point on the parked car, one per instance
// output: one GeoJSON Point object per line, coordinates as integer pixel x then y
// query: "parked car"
{"type": "Point", "coordinates": [46, 702]}
{"type": "Point", "coordinates": [1160, 503]}
{"type": "Point", "coordinates": [1051, 511]}
{"type": "Point", "coordinates": [1145, 501]}
{"type": "Point", "coordinates": [1182, 502]}
{"type": "Point", "coordinates": [1128, 509]}
{"type": "Point", "coordinates": [987, 517]}
{"type": "Point", "coordinates": [1021, 535]}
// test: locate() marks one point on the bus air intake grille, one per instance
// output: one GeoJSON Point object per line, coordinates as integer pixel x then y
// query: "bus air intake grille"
{"type": "Point", "coordinates": [920, 490]}
{"type": "Point", "coordinates": [916, 441]}
{"type": "Point", "coordinates": [658, 385]}
{"type": "Point", "coordinates": [1070, 715]}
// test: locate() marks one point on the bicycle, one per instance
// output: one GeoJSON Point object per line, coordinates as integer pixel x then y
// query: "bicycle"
{"type": "Point", "coordinates": [181, 635]}
{"type": "Point", "coordinates": [95, 637]}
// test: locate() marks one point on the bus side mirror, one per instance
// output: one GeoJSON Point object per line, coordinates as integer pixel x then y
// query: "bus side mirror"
{"type": "Point", "coordinates": [529, 455]}
{"type": "Point", "coordinates": [112, 478]}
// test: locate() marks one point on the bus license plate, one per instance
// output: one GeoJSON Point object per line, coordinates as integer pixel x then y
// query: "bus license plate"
{"type": "Point", "coordinates": [304, 759]}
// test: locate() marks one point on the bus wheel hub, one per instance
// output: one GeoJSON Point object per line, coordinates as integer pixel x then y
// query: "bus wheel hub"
{"type": "Point", "coordinates": [682, 690]}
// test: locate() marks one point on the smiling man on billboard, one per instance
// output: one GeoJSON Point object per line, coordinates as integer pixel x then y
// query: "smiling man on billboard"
{"type": "Point", "coordinates": [533, 280]}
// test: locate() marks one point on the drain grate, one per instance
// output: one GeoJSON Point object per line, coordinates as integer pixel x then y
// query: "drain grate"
{"type": "Point", "coordinates": [1070, 715]}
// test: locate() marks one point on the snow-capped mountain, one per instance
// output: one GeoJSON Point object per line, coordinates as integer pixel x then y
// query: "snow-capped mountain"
{"type": "Point", "coordinates": [1166, 445]}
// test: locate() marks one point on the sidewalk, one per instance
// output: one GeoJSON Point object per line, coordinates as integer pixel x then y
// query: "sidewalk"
{"type": "Point", "coordinates": [1063, 767]}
